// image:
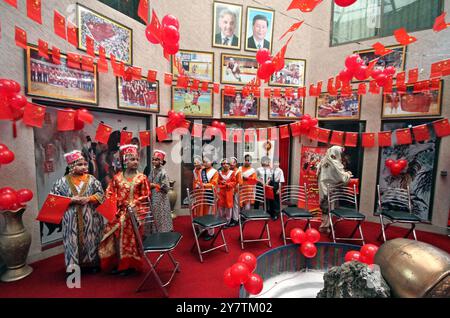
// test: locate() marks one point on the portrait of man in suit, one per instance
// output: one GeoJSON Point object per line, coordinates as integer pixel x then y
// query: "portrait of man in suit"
{"type": "Point", "coordinates": [227, 25]}
{"type": "Point", "coordinates": [259, 29]}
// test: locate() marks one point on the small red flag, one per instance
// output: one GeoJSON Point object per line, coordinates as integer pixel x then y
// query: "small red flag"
{"type": "Point", "coordinates": [195, 84]}
{"type": "Point", "coordinates": [73, 60]}
{"type": "Point", "coordinates": [34, 10]}
{"type": "Point", "coordinates": [374, 88]}
{"type": "Point", "coordinates": [72, 34]}
{"type": "Point", "coordinates": [59, 24]}
{"type": "Point", "coordinates": [421, 133]}
{"type": "Point", "coordinates": [144, 137]}
{"type": "Point", "coordinates": [384, 138]}
{"type": "Point", "coordinates": [33, 115]}
{"type": "Point", "coordinates": [229, 90]}
{"type": "Point", "coordinates": [337, 138]}
{"type": "Point", "coordinates": [85, 116]}
{"type": "Point", "coordinates": [284, 131]}
{"type": "Point", "coordinates": [168, 77]}
{"type": "Point", "coordinates": [301, 91]}
{"type": "Point", "coordinates": [292, 28]}
{"type": "Point", "coordinates": [125, 137]}
{"type": "Point", "coordinates": [413, 75]}
{"type": "Point", "coordinates": [43, 49]}
{"type": "Point", "coordinates": [151, 76]}
{"type": "Point", "coordinates": [403, 136]}
{"type": "Point", "coordinates": [435, 84]}
{"type": "Point", "coordinates": [108, 208]}
{"type": "Point", "coordinates": [276, 92]}
{"type": "Point", "coordinates": [403, 37]}
{"type": "Point", "coordinates": [388, 86]}
{"type": "Point", "coordinates": [368, 140]}
{"type": "Point", "coordinates": [102, 65]}
{"type": "Point", "coordinates": [103, 133]}
{"type": "Point", "coordinates": [65, 119]}
{"type": "Point", "coordinates": [90, 46]}
{"type": "Point", "coordinates": [436, 69]}
{"type": "Point", "coordinates": [102, 53]}
{"type": "Point", "coordinates": [118, 68]}
{"type": "Point", "coordinates": [304, 5]}
{"type": "Point", "coordinates": [351, 139]}
{"type": "Point", "coordinates": [439, 23]}
{"type": "Point", "coordinates": [362, 89]}
{"type": "Point", "coordinates": [267, 92]}
{"type": "Point", "coordinates": [161, 133]}
{"type": "Point", "coordinates": [216, 88]}
{"type": "Point", "coordinates": [380, 49]}
{"type": "Point", "coordinates": [143, 10]}
{"type": "Point", "coordinates": [441, 127]}
{"type": "Point", "coordinates": [182, 81]}
{"type": "Point", "coordinates": [205, 87]}
{"type": "Point", "coordinates": [400, 79]}
{"type": "Point", "coordinates": [324, 135]}
{"type": "Point", "coordinates": [296, 129]}
{"type": "Point", "coordinates": [53, 209]}
{"type": "Point", "coordinates": [87, 63]}
{"type": "Point", "coordinates": [12, 3]}
{"type": "Point", "coordinates": [21, 38]}
{"type": "Point", "coordinates": [313, 133]}
{"type": "Point", "coordinates": [56, 55]}
{"type": "Point", "coordinates": [154, 27]}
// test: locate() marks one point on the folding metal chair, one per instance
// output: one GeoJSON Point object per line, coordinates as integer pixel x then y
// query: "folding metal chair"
{"type": "Point", "coordinates": [394, 205]}
{"type": "Point", "coordinates": [153, 242]}
{"type": "Point", "coordinates": [198, 199]}
{"type": "Point", "coordinates": [336, 196]}
{"type": "Point", "coordinates": [254, 193]}
{"type": "Point", "coordinates": [290, 196]}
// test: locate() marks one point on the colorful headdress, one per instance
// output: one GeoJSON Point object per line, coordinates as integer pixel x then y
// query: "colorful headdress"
{"type": "Point", "coordinates": [73, 157]}
{"type": "Point", "coordinates": [127, 151]}
{"type": "Point", "coordinates": [161, 155]}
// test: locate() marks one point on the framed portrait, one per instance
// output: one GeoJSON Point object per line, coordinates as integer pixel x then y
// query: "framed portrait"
{"type": "Point", "coordinates": [114, 37]}
{"type": "Point", "coordinates": [286, 107]}
{"type": "Point", "coordinates": [197, 65]}
{"type": "Point", "coordinates": [138, 95]}
{"type": "Point", "coordinates": [58, 81]}
{"type": "Point", "coordinates": [239, 107]}
{"type": "Point", "coordinates": [50, 145]}
{"type": "Point", "coordinates": [193, 103]}
{"type": "Point", "coordinates": [227, 25]}
{"type": "Point", "coordinates": [338, 107]}
{"type": "Point", "coordinates": [238, 69]}
{"type": "Point", "coordinates": [259, 29]}
{"type": "Point", "coordinates": [293, 74]}
{"type": "Point", "coordinates": [396, 58]}
{"type": "Point", "coordinates": [411, 104]}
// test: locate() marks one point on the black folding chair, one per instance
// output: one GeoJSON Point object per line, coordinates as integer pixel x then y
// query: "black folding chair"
{"type": "Point", "coordinates": [254, 193]}
{"type": "Point", "coordinates": [394, 205]}
{"type": "Point", "coordinates": [290, 196]}
{"type": "Point", "coordinates": [200, 199]}
{"type": "Point", "coordinates": [347, 195]}
{"type": "Point", "coordinates": [153, 242]}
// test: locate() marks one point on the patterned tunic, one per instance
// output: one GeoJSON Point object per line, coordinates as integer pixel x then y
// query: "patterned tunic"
{"type": "Point", "coordinates": [160, 200]}
{"type": "Point", "coordinates": [119, 249]}
{"type": "Point", "coordinates": [82, 226]}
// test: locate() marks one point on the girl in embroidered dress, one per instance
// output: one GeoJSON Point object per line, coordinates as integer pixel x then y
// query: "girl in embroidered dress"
{"type": "Point", "coordinates": [226, 186]}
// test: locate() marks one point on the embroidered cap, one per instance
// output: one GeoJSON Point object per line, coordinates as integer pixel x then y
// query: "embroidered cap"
{"type": "Point", "coordinates": [73, 156]}
{"type": "Point", "coordinates": [161, 155]}
{"type": "Point", "coordinates": [128, 150]}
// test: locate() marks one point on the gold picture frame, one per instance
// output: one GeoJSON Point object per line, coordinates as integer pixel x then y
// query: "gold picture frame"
{"type": "Point", "coordinates": [255, 19]}
{"type": "Point", "coordinates": [138, 95]}
{"type": "Point", "coordinates": [196, 64]}
{"type": "Point", "coordinates": [337, 107]}
{"type": "Point", "coordinates": [231, 10]}
{"type": "Point", "coordinates": [188, 101]}
{"type": "Point", "coordinates": [292, 74]}
{"type": "Point", "coordinates": [237, 69]}
{"type": "Point", "coordinates": [248, 108]}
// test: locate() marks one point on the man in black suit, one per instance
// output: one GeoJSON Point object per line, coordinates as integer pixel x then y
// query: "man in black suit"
{"type": "Point", "coordinates": [227, 25]}
{"type": "Point", "coordinates": [258, 39]}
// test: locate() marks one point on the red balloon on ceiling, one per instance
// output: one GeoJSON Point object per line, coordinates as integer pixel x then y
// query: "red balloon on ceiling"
{"type": "Point", "coordinates": [344, 3]}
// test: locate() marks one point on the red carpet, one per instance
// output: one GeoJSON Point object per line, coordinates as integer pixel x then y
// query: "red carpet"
{"type": "Point", "coordinates": [195, 279]}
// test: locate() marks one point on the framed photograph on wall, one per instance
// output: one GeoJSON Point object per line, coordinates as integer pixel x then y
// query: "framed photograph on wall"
{"type": "Point", "coordinates": [114, 37]}
{"type": "Point", "coordinates": [57, 81]}
{"type": "Point", "coordinates": [196, 64]}
{"type": "Point", "coordinates": [396, 58]}
{"type": "Point", "coordinates": [138, 95]}
{"type": "Point", "coordinates": [286, 107]}
{"type": "Point", "coordinates": [293, 74]}
{"type": "Point", "coordinates": [338, 107]}
{"type": "Point", "coordinates": [239, 107]}
{"type": "Point", "coordinates": [259, 29]}
{"type": "Point", "coordinates": [419, 104]}
{"type": "Point", "coordinates": [237, 69]}
{"type": "Point", "coordinates": [227, 25]}
{"type": "Point", "coordinates": [193, 103]}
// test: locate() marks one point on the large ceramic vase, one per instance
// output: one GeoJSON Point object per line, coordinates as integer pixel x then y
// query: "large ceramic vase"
{"type": "Point", "coordinates": [172, 198]}
{"type": "Point", "coordinates": [15, 243]}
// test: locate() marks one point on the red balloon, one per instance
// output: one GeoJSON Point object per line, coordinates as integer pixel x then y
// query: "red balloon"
{"type": "Point", "coordinates": [7, 190]}
{"type": "Point", "coordinates": [24, 195]}
{"type": "Point", "coordinates": [396, 169]}
{"type": "Point", "coordinates": [368, 252]}
{"type": "Point", "coordinates": [171, 113]}
{"type": "Point", "coordinates": [263, 55]}
{"type": "Point", "coordinates": [254, 284]}
{"type": "Point", "coordinates": [9, 87]}
{"type": "Point", "coordinates": [240, 273]}
{"type": "Point", "coordinates": [362, 73]}
{"type": "Point", "coordinates": [306, 116]}
{"type": "Point", "coordinates": [182, 116]}
{"type": "Point", "coordinates": [170, 35]}
{"type": "Point", "coordinates": [403, 163]}
{"type": "Point", "coordinates": [15, 87]}
{"type": "Point", "coordinates": [16, 206]}
{"type": "Point", "coordinates": [314, 122]}
{"type": "Point", "coordinates": [298, 236]}
{"type": "Point", "coordinates": [353, 62]}
{"type": "Point", "coordinates": [306, 124]}
{"type": "Point", "coordinates": [248, 259]}
{"type": "Point", "coordinates": [389, 162]}
{"type": "Point", "coordinates": [151, 37]}
{"type": "Point", "coordinates": [228, 280]}
{"type": "Point", "coordinates": [390, 71]}
{"type": "Point", "coordinates": [3, 147]}
{"type": "Point", "coordinates": [375, 73]}
{"type": "Point", "coordinates": [352, 256]}
{"type": "Point", "coordinates": [308, 249]}
{"type": "Point", "coordinates": [381, 79]}
{"type": "Point", "coordinates": [222, 125]}
{"type": "Point", "coordinates": [6, 157]}
{"type": "Point", "coordinates": [170, 20]}
{"type": "Point", "coordinates": [346, 75]}
{"type": "Point", "coordinates": [267, 69]}
{"type": "Point", "coordinates": [215, 123]}
{"type": "Point", "coordinates": [344, 3]}
{"type": "Point", "coordinates": [171, 49]}
{"type": "Point", "coordinates": [312, 235]}
{"type": "Point", "coordinates": [279, 63]}
{"type": "Point", "coordinates": [7, 200]}
{"type": "Point", "coordinates": [17, 101]}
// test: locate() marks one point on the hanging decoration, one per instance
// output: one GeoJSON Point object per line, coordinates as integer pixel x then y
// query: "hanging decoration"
{"type": "Point", "coordinates": [242, 272]}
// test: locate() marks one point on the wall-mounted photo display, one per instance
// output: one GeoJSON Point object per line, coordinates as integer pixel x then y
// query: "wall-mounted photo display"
{"type": "Point", "coordinates": [240, 107]}
{"type": "Point", "coordinates": [114, 37]}
{"type": "Point", "coordinates": [238, 69]}
{"type": "Point", "coordinates": [138, 95]}
{"type": "Point", "coordinates": [411, 104]}
{"type": "Point", "coordinates": [286, 107]}
{"type": "Point", "coordinates": [193, 103]}
{"type": "Point", "coordinates": [259, 29]}
{"type": "Point", "coordinates": [293, 74]}
{"type": "Point", "coordinates": [197, 65]}
{"type": "Point", "coordinates": [338, 107]}
{"type": "Point", "coordinates": [57, 81]}
{"type": "Point", "coordinates": [227, 25]}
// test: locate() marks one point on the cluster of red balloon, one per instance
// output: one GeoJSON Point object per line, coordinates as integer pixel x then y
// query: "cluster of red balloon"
{"type": "Point", "coordinates": [266, 64]}
{"type": "Point", "coordinates": [396, 166]}
{"type": "Point", "coordinates": [13, 200]}
{"type": "Point", "coordinates": [306, 241]}
{"type": "Point", "coordinates": [344, 3]}
{"type": "Point", "coordinates": [6, 155]}
{"type": "Point", "coordinates": [242, 273]}
{"type": "Point", "coordinates": [168, 34]}
{"type": "Point", "coordinates": [10, 97]}
{"type": "Point", "coordinates": [306, 123]}
{"type": "Point", "coordinates": [365, 255]}
{"type": "Point", "coordinates": [176, 119]}
{"type": "Point", "coordinates": [218, 127]}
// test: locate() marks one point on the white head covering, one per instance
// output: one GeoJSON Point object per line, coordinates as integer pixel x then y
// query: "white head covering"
{"type": "Point", "coordinates": [331, 170]}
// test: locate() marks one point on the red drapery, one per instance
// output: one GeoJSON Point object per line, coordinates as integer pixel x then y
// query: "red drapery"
{"type": "Point", "coordinates": [285, 146]}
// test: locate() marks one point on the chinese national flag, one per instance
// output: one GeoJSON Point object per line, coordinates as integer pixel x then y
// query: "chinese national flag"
{"type": "Point", "coordinates": [289, 92]}
{"type": "Point", "coordinates": [43, 49]}
{"type": "Point", "coordinates": [136, 73]}
{"type": "Point", "coordinates": [435, 84]}
{"type": "Point", "coordinates": [73, 60]}
{"type": "Point", "coordinates": [12, 3]}
{"type": "Point", "coordinates": [351, 139]}
{"type": "Point", "coordinates": [21, 38]}
{"type": "Point", "coordinates": [183, 81]}
{"type": "Point", "coordinates": [161, 133]}
{"type": "Point", "coordinates": [144, 137]}
{"type": "Point", "coordinates": [155, 26]}
{"type": "Point", "coordinates": [85, 116]}
{"type": "Point", "coordinates": [102, 65]}
{"type": "Point", "coordinates": [388, 86]}
{"type": "Point", "coordinates": [296, 129]}
{"type": "Point", "coordinates": [256, 92]}
{"type": "Point", "coordinates": [216, 88]}
{"type": "Point", "coordinates": [439, 23]}
{"type": "Point", "coordinates": [337, 138]}
{"type": "Point", "coordinates": [324, 135]}
{"type": "Point", "coordinates": [34, 10]}
{"type": "Point", "coordinates": [59, 24]}
{"type": "Point", "coordinates": [229, 90]}
{"type": "Point", "coordinates": [56, 55]}
{"type": "Point", "coordinates": [151, 76]}
{"type": "Point", "coordinates": [90, 44]}
{"type": "Point", "coordinates": [380, 49]}
{"type": "Point", "coordinates": [293, 28]}
{"type": "Point", "coordinates": [312, 90]}
{"type": "Point", "coordinates": [168, 77]}
{"type": "Point", "coordinates": [249, 135]}
{"type": "Point", "coordinates": [441, 127]}
{"type": "Point", "coordinates": [205, 86]}
{"type": "Point", "coordinates": [401, 77]}
{"type": "Point", "coordinates": [362, 89]}
{"type": "Point", "coordinates": [33, 115]}
{"type": "Point", "coordinates": [143, 10]}
{"type": "Point", "coordinates": [276, 92]}
{"type": "Point", "coordinates": [87, 63]}
{"type": "Point", "coordinates": [53, 209]}
{"type": "Point", "coordinates": [284, 131]}
{"type": "Point", "coordinates": [403, 136]}
{"type": "Point", "coordinates": [65, 119]}
{"type": "Point", "coordinates": [313, 133]}
{"type": "Point", "coordinates": [118, 68]}
{"type": "Point", "coordinates": [197, 130]}
{"type": "Point", "coordinates": [72, 34]}
{"type": "Point", "coordinates": [125, 137]}
{"type": "Point", "coordinates": [368, 140]}
{"type": "Point", "coordinates": [421, 133]}
{"type": "Point", "coordinates": [403, 37]}
{"type": "Point", "coordinates": [108, 208]}
{"type": "Point", "coordinates": [384, 139]}
{"type": "Point", "coordinates": [301, 91]}
{"type": "Point", "coordinates": [304, 5]}
{"type": "Point", "coordinates": [103, 133]}
{"type": "Point", "coordinates": [195, 84]}
{"type": "Point", "coordinates": [267, 92]}
{"type": "Point", "coordinates": [261, 134]}
{"type": "Point", "coordinates": [102, 53]}
{"type": "Point", "coordinates": [413, 75]}
{"type": "Point", "coordinates": [436, 69]}
{"type": "Point", "coordinates": [272, 133]}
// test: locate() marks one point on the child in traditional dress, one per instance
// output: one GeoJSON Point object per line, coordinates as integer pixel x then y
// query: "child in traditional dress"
{"type": "Point", "coordinates": [226, 188]}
